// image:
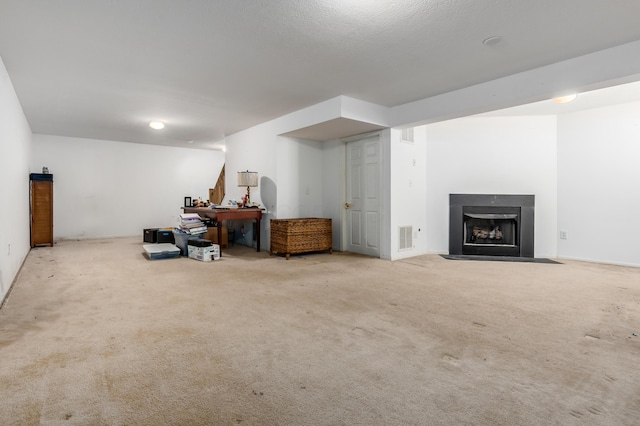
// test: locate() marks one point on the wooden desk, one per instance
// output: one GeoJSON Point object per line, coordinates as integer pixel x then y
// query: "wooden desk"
{"type": "Point", "coordinates": [229, 214]}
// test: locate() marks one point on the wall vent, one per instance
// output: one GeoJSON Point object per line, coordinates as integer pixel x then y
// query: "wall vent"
{"type": "Point", "coordinates": [407, 135]}
{"type": "Point", "coordinates": [405, 238]}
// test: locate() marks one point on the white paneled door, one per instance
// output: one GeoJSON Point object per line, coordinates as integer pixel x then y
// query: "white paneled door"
{"type": "Point", "coordinates": [363, 196]}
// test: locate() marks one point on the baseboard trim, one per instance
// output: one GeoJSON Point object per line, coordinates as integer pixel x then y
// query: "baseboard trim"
{"type": "Point", "coordinates": [5, 299]}
{"type": "Point", "coordinates": [602, 262]}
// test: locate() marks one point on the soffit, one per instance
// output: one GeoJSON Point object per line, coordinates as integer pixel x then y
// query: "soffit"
{"type": "Point", "coordinates": [333, 129]}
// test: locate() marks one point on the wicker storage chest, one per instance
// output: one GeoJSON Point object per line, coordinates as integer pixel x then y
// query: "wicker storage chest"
{"type": "Point", "coordinates": [294, 236]}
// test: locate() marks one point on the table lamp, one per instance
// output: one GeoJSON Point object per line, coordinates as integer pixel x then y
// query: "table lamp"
{"type": "Point", "coordinates": [248, 179]}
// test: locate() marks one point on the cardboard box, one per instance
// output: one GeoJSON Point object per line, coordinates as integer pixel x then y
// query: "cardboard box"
{"type": "Point", "coordinates": [212, 235]}
{"type": "Point", "coordinates": [204, 254]}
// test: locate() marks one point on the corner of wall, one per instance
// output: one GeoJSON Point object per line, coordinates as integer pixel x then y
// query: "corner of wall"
{"type": "Point", "coordinates": [15, 153]}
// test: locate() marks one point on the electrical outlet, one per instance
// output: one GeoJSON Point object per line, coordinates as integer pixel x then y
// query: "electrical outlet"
{"type": "Point", "coordinates": [564, 235]}
{"type": "Point", "coordinates": [9, 249]}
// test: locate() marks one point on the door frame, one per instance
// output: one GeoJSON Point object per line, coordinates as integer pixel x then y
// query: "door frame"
{"type": "Point", "coordinates": [382, 207]}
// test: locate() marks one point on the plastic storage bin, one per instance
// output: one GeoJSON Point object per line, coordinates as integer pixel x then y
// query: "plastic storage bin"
{"type": "Point", "coordinates": [150, 235]}
{"type": "Point", "coordinates": [161, 251]}
{"type": "Point", "coordinates": [182, 240]}
{"type": "Point", "coordinates": [165, 236]}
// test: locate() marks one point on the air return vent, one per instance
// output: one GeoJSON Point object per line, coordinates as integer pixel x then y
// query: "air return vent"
{"type": "Point", "coordinates": [407, 135]}
{"type": "Point", "coordinates": [405, 238]}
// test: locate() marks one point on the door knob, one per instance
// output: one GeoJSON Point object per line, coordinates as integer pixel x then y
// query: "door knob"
{"type": "Point", "coordinates": [347, 205]}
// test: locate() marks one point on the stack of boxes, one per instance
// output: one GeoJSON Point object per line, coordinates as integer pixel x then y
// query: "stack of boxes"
{"type": "Point", "coordinates": [190, 227]}
{"type": "Point", "coordinates": [187, 236]}
{"type": "Point", "coordinates": [162, 246]}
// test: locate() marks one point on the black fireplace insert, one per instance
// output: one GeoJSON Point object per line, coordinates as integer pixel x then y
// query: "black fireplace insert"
{"type": "Point", "coordinates": [491, 225]}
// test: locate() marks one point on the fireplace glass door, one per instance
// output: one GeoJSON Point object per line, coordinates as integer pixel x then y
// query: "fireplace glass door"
{"type": "Point", "coordinates": [493, 229]}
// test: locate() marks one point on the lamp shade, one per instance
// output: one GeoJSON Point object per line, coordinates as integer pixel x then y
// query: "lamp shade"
{"type": "Point", "coordinates": [247, 178]}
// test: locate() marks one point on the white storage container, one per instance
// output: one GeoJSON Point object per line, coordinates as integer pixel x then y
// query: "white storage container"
{"type": "Point", "coordinates": [161, 251]}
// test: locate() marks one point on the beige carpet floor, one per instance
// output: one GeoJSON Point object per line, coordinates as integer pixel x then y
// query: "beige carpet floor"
{"type": "Point", "coordinates": [94, 333]}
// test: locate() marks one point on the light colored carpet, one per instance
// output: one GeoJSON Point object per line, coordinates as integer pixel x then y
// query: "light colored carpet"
{"type": "Point", "coordinates": [94, 333]}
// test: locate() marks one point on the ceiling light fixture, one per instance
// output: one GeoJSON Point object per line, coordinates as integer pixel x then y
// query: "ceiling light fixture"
{"type": "Point", "coordinates": [564, 99]}
{"type": "Point", "coordinates": [158, 125]}
{"type": "Point", "coordinates": [491, 41]}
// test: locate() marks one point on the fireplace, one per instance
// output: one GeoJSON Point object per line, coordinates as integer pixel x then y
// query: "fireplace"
{"type": "Point", "coordinates": [491, 225]}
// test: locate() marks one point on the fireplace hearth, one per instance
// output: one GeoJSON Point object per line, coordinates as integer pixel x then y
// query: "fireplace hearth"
{"type": "Point", "coordinates": [491, 225]}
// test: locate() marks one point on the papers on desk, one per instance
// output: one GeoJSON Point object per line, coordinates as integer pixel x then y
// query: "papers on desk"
{"type": "Point", "coordinates": [225, 207]}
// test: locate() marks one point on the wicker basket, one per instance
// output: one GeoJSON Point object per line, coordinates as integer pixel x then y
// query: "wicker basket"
{"type": "Point", "coordinates": [294, 236]}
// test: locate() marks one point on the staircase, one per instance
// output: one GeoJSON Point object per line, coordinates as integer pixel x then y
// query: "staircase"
{"type": "Point", "coordinates": [216, 194]}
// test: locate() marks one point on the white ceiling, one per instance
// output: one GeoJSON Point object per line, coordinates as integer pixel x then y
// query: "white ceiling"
{"type": "Point", "coordinates": [104, 69]}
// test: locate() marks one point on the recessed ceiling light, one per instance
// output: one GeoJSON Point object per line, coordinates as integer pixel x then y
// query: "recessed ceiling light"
{"type": "Point", "coordinates": [491, 41]}
{"type": "Point", "coordinates": [189, 141]}
{"type": "Point", "coordinates": [564, 99]}
{"type": "Point", "coordinates": [156, 125]}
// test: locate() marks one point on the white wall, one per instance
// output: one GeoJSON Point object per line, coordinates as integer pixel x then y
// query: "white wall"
{"type": "Point", "coordinates": [15, 149]}
{"type": "Point", "coordinates": [408, 194]}
{"type": "Point", "coordinates": [598, 184]}
{"type": "Point", "coordinates": [496, 155]}
{"type": "Point", "coordinates": [299, 178]}
{"type": "Point", "coordinates": [258, 149]}
{"type": "Point", "coordinates": [333, 187]}
{"type": "Point", "coordinates": [290, 166]}
{"type": "Point", "coordinates": [253, 150]}
{"type": "Point", "coordinates": [110, 189]}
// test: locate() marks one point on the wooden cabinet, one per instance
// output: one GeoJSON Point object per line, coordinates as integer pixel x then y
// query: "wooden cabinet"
{"type": "Point", "coordinates": [41, 188]}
